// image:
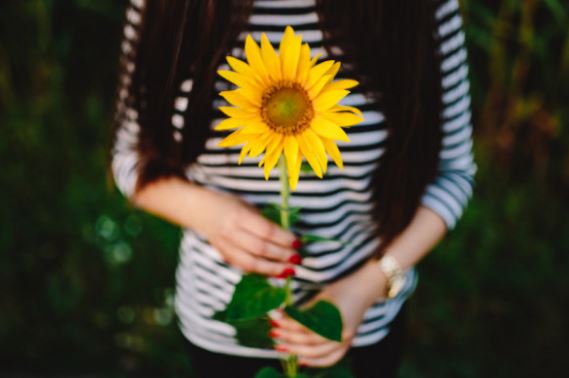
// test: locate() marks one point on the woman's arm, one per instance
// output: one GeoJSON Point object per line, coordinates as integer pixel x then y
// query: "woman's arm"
{"type": "Point", "coordinates": [243, 237]}
{"type": "Point", "coordinates": [446, 198]}
{"type": "Point", "coordinates": [442, 205]}
{"type": "Point", "coordinates": [423, 233]}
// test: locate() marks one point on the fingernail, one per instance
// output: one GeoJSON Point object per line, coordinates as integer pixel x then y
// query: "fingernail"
{"type": "Point", "coordinates": [296, 244]}
{"type": "Point", "coordinates": [273, 334]}
{"type": "Point", "coordinates": [287, 272]}
{"type": "Point", "coordinates": [281, 348]}
{"type": "Point", "coordinates": [295, 259]}
{"type": "Point", "coordinates": [274, 324]}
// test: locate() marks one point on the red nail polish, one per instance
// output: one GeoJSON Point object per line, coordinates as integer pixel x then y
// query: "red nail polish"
{"type": "Point", "coordinates": [274, 324]}
{"type": "Point", "coordinates": [295, 259]}
{"type": "Point", "coordinates": [281, 348]}
{"type": "Point", "coordinates": [273, 334]}
{"type": "Point", "coordinates": [287, 272]}
{"type": "Point", "coordinates": [296, 244]}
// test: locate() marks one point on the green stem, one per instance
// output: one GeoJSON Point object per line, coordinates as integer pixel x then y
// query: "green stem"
{"type": "Point", "coordinates": [285, 193]}
{"type": "Point", "coordinates": [291, 366]}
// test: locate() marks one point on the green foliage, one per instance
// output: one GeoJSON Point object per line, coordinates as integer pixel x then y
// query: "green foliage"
{"type": "Point", "coordinates": [269, 372]}
{"type": "Point", "coordinates": [254, 296]}
{"type": "Point", "coordinates": [322, 317]}
{"type": "Point", "coordinates": [272, 211]}
{"type": "Point", "coordinates": [341, 369]}
{"type": "Point", "coordinates": [254, 332]}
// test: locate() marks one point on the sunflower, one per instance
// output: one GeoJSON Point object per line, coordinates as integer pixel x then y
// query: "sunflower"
{"type": "Point", "coordinates": [286, 103]}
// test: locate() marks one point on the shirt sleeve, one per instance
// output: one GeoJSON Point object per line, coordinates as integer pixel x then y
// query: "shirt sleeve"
{"type": "Point", "coordinates": [125, 159]}
{"type": "Point", "coordinates": [124, 154]}
{"type": "Point", "coordinates": [453, 186]}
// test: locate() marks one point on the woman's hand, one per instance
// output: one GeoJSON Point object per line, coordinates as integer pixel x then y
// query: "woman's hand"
{"type": "Point", "coordinates": [244, 237]}
{"type": "Point", "coordinates": [353, 295]}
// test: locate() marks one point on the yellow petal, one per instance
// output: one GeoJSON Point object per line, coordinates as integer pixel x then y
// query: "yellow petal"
{"type": "Point", "coordinates": [254, 58]}
{"type": "Point", "coordinates": [239, 80]}
{"type": "Point", "coordinates": [233, 139]}
{"type": "Point", "coordinates": [244, 69]}
{"type": "Point", "coordinates": [333, 151]}
{"type": "Point", "coordinates": [244, 152]}
{"type": "Point", "coordinates": [341, 84]}
{"type": "Point", "coordinates": [329, 99]}
{"type": "Point", "coordinates": [294, 172]}
{"type": "Point", "coordinates": [235, 112]}
{"type": "Point", "coordinates": [272, 61]}
{"type": "Point", "coordinates": [230, 123]}
{"type": "Point", "coordinates": [255, 128]}
{"type": "Point", "coordinates": [317, 87]}
{"type": "Point", "coordinates": [237, 98]}
{"type": "Point", "coordinates": [342, 118]}
{"type": "Point", "coordinates": [289, 51]}
{"type": "Point", "coordinates": [251, 94]}
{"type": "Point", "coordinates": [274, 151]}
{"type": "Point", "coordinates": [259, 145]}
{"type": "Point", "coordinates": [315, 59]}
{"type": "Point", "coordinates": [303, 64]}
{"type": "Point", "coordinates": [290, 150]}
{"type": "Point", "coordinates": [334, 69]}
{"type": "Point", "coordinates": [311, 157]}
{"type": "Point", "coordinates": [317, 71]}
{"type": "Point", "coordinates": [317, 147]}
{"type": "Point", "coordinates": [328, 129]}
{"type": "Point", "coordinates": [339, 107]}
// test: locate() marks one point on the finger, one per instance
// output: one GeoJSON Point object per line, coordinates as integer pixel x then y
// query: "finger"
{"type": "Point", "coordinates": [325, 361]}
{"type": "Point", "coordinates": [261, 247]}
{"type": "Point", "coordinates": [264, 228]}
{"type": "Point", "coordinates": [293, 337]}
{"type": "Point", "coordinates": [317, 351]}
{"type": "Point", "coordinates": [282, 320]}
{"type": "Point", "coordinates": [283, 324]}
{"type": "Point", "coordinates": [247, 262]}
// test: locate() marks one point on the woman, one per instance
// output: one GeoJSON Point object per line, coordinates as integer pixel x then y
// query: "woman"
{"type": "Point", "coordinates": [407, 177]}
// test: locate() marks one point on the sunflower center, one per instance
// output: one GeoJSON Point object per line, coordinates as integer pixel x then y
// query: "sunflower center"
{"type": "Point", "coordinates": [286, 108]}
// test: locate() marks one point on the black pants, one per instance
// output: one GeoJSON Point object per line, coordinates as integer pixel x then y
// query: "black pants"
{"type": "Point", "coordinates": [379, 360]}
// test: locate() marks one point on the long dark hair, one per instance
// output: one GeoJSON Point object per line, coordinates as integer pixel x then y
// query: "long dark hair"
{"type": "Point", "coordinates": [391, 45]}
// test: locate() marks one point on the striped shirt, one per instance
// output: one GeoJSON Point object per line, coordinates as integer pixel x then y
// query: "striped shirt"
{"type": "Point", "coordinates": [337, 206]}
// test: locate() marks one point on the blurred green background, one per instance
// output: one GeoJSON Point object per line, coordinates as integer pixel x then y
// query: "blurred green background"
{"type": "Point", "coordinates": [86, 281]}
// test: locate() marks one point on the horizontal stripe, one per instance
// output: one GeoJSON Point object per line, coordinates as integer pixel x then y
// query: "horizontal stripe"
{"type": "Point", "coordinates": [284, 3]}
{"type": "Point", "coordinates": [279, 20]}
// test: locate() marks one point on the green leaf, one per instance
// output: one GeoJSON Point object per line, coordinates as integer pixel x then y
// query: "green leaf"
{"type": "Point", "coordinates": [272, 212]}
{"type": "Point", "coordinates": [268, 372]}
{"type": "Point", "coordinates": [305, 167]}
{"type": "Point", "coordinates": [311, 238]}
{"type": "Point", "coordinates": [323, 317]}
{"type": "Point", "coordinates": [254, 333]}
{"type": "Point", "coordinates": [253, 297]}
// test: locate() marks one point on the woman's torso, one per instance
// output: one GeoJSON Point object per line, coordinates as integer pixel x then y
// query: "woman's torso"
{"type": "Point", "coordinates": [337, 206]}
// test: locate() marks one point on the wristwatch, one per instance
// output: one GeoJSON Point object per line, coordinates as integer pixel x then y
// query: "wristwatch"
{"type": "Point", "coordinates": [395, 275]}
